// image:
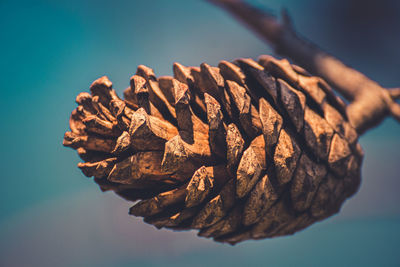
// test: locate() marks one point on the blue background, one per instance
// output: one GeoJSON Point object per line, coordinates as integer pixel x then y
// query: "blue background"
{"type": "Point", "coordinates": [51, 215]}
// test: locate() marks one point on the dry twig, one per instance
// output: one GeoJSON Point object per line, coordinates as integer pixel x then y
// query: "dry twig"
{"type": "Point", "coordinates": [370, 102]}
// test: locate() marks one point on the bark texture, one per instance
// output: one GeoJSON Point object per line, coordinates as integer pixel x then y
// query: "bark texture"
{"type": "Point", "coordinates": [245, 150]}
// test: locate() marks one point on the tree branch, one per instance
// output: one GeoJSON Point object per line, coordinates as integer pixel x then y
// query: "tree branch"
{"type": "Point", "coordinates": [394, 93]}
{"type": "Point", "coordinates": [369, 102]}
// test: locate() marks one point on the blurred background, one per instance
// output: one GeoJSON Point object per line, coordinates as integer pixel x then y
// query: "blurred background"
{"type": "Point", "coordinates": [51, 215]}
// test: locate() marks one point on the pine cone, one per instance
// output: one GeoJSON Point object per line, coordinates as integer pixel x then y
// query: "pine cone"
{"type": "Point", "coordinates": [241, 151]}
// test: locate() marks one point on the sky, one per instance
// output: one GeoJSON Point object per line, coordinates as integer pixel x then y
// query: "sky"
{"type": "Point", "coordinates": [50, 214]}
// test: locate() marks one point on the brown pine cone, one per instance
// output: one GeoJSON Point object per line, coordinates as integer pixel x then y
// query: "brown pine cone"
{"type": "Point", "coordinates": [241, 151]}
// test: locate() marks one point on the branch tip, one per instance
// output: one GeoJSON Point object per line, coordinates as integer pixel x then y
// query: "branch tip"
{"type": "Point", "coordinates": [395, 111]}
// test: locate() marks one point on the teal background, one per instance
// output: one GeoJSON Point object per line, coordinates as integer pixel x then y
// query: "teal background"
{"type": "Point", "coordinates": [51, 215]}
